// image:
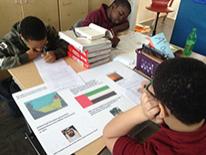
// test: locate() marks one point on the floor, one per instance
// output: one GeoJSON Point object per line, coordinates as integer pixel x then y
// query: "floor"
{"type": "Point", "coordinates": [165, 26]}
{"type": "Point", "coordinates": [12, 137]}
{"type": "Point", "coordinates": [12, 141]}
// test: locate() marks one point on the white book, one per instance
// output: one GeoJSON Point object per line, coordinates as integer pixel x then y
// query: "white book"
{"type": "Point", "coordinates": [100, 62]}
{"type": "Point", "coordinates": [83, 44]}
{"type": "Point", "coordinates": [99, 58]}
{"type": "Point", "coordinates": [99, 47]}
{"type": "Point", "coordinates": [99, 52]}
{"type": "Point", "coordinates": [93, 32]}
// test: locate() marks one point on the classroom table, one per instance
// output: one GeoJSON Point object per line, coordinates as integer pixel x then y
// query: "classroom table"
{"type": "Point", "coordinates": [27, 76]}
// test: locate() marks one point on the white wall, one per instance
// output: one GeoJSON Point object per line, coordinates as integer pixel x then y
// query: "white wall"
{"type": "Point", "coordinates": [142, 13]}
{"type": "Point", "coordinates": [133, 15]}
{"type": "Point", "coordinates": [175, 6]}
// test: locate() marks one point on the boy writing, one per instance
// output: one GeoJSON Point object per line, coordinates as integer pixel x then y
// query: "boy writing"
{"type": "Point", "coordinates": [176, 98]}
{"type": "Point", "coordinates": [26, 41]}
{"type": "Point", "coordinates": [113, 17]}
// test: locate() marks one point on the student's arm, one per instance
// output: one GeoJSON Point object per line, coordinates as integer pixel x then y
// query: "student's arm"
{"type": "Point", "coordinates": [121, 27]}
{"type": "Point", "coordinates": [115, 30]}
{"type": "Point", "coordinates": [56, 47]}
{"type": "Point", "coordinates": [124, 122]}
{"type": "Point", "coordinates": [9, 62]}
{"type": "Point", "coordinates": [9, 57]}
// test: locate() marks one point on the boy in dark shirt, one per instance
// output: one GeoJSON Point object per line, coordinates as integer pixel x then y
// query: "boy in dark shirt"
{"type": "Point", "coordinates": [176, 98]}
{"type": "Point", "coordinates": [113, 17]}
{"type": "Point", "coordinates": [27, 40]}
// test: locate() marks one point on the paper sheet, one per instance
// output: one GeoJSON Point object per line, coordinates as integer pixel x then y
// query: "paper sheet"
{"type": "Point", "coordinates": [132, 41]}
{"type": "Point", "coordinates": [129, 59]}
{"type": "Point", "coordinates": [125, 51]}
{"type": "Point", "coordinates": [65, 121]}
{"type": "Point", "coordinates": [52, 115]}
{"type": "Point", "coordinates": [57, 75]}
{"type": "Point", "coordinates": [127, 79]}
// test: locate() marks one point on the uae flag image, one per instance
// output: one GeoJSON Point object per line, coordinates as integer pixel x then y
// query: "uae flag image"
{"type": "Point", "coordinates": [94, 96]}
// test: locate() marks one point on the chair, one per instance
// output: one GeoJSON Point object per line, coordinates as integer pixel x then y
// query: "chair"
{"type": "Point", "coordinates": [170, 5]}
{"type": "Point", "coordinates": [160, 6]}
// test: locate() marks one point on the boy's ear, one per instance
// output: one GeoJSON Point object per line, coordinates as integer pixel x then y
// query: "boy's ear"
{"type": "Point", "coordinates": [159, 118]}
{"type": "Point", "coordinates": [163, 112]}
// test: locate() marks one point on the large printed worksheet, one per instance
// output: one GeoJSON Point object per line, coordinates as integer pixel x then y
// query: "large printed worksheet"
{"type": "Point", "coordinates": [66, 120]}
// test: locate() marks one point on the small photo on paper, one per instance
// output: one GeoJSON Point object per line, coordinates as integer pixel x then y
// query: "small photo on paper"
{"type": "Point", "coordinates": [115, 76]}
{"type": "Point", "coordinates": [115, 111]}
{"type": "Point", "coordinates": [45, 105]}
{"type": "Point", "coordinates": [71, 133]}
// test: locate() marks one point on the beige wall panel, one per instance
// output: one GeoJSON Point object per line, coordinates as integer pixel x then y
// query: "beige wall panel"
{"type": "Point", "coordinates": [11, 12]}
{"type": "Point", "coordinates": [47, 10]}
{"type": "Point", "coordinates": [71, 11]}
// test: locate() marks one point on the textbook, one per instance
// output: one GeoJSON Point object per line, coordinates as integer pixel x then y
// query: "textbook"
{"type": "Point", "coordinates": [83, 44]}
{"type": "Point", "coordinates": [89, 55]}
{"type": "Point", "coordinates": [93, 32]}
{"type": "Point", "coordinates": [87, 52]}
{"type": "Point", "coordinates": [88, 60]}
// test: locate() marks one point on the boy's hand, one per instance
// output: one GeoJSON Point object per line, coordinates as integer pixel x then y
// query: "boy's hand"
{"type": "Point", "coordinates": [115, 40]}
{"type": "Point", "coordinates": [150, 106]}
{"type": "Point", "coordinates": [143, 85]}
{"type": "Point", "coordinates": [113, 31]}
{"type": "Point", "coordinates": [32, 54]}
{"type": "Point", "coordinates": [49, 57]}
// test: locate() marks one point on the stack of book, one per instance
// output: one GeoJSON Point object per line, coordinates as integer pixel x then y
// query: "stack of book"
{"type": "Point", "coordinates": [89, 53]}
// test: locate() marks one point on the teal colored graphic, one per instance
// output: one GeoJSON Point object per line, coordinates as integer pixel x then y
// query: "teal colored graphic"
{"type": "Point", "coordinates": [45, 104]}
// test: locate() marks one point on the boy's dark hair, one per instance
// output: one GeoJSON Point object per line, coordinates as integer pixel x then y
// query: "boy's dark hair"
{"type": "Point", "coordinates": [180, 85]}
{"type": "Point", "coordinates": [32, 28]}
{"type": "Point", "coordinates": [124, 3]}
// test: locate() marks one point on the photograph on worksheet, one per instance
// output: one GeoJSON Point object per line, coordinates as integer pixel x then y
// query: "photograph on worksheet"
{"type": "Point", "coordinates": [71, 134]}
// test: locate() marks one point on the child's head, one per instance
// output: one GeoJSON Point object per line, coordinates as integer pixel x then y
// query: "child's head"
{"type": "Point", "coordinates": [120, 10]}
{"type": "Point", "coordinates": [33, 31]}
{"type": "Point", "coordinates": [70, 132]}
{"type": "Point", "coordinates": [180, 85]}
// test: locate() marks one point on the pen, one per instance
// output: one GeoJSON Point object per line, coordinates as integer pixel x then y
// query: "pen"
{"type": "Point", "coordinates": [44, 52]}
